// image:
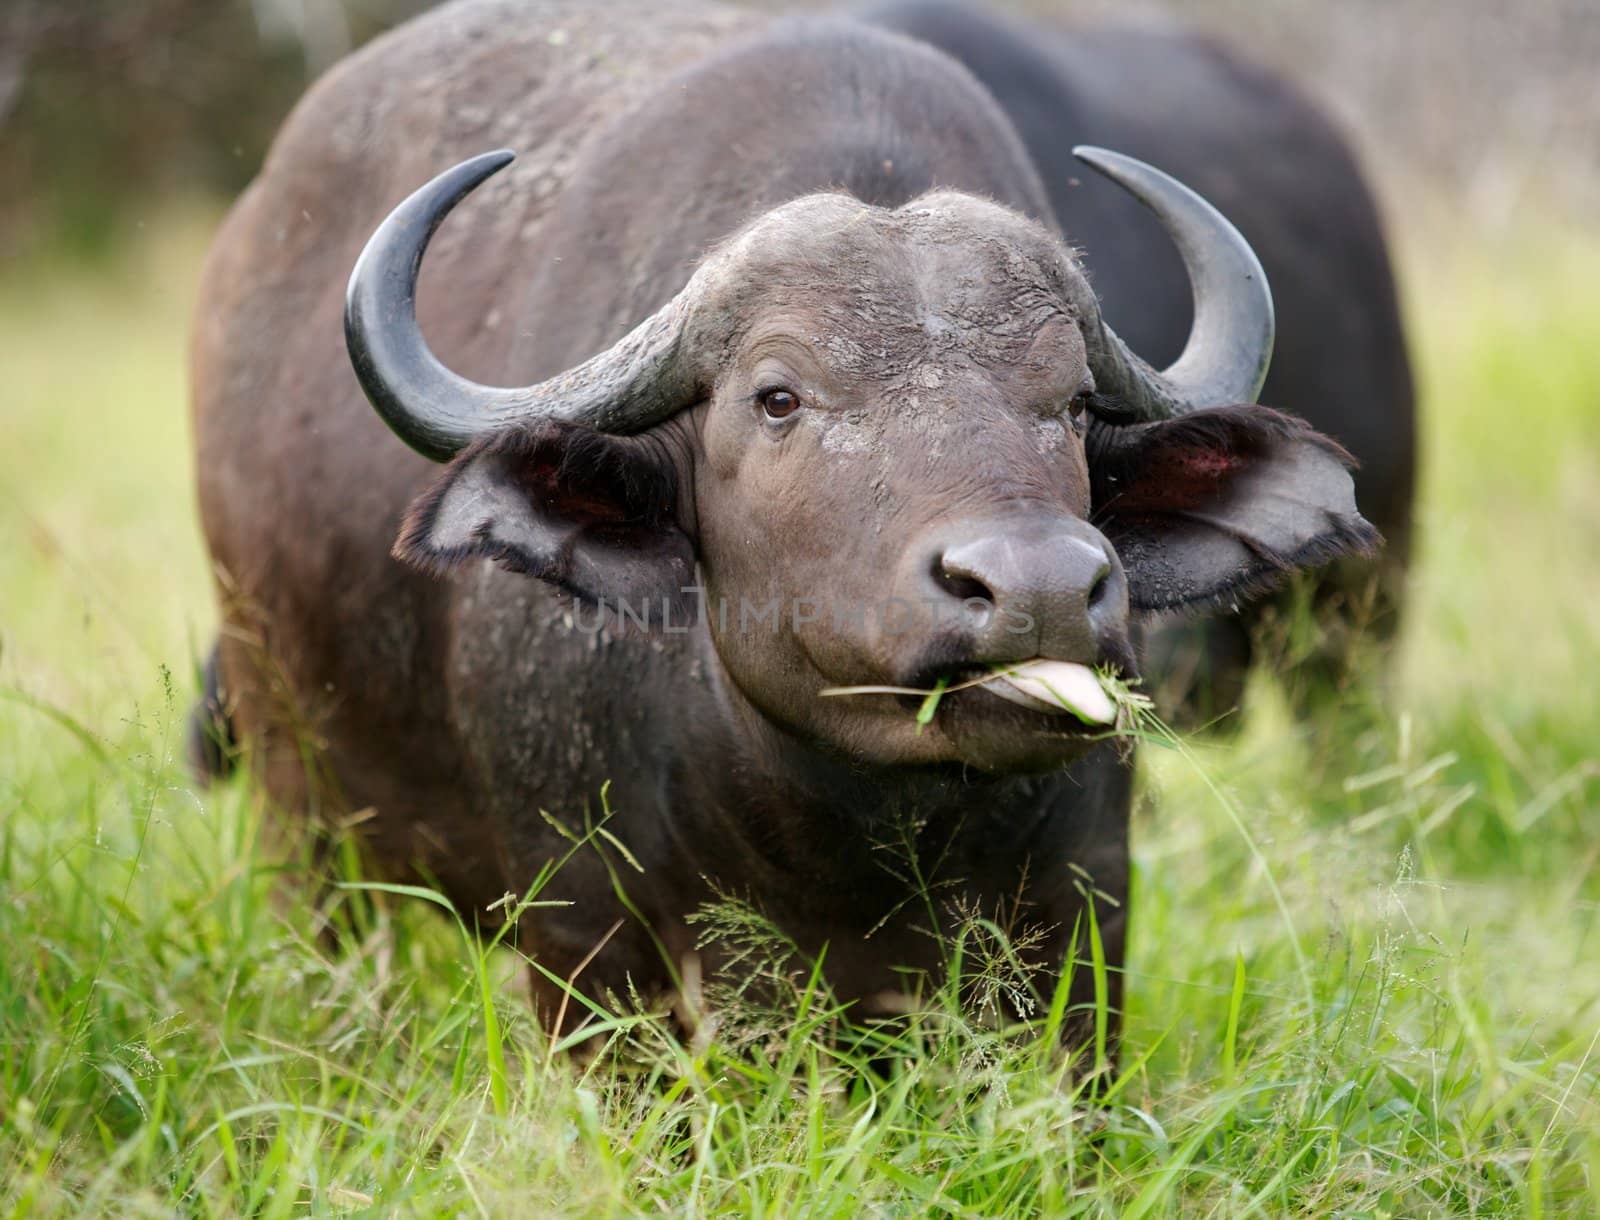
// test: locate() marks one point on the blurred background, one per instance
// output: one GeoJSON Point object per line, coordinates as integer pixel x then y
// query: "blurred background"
{"type": "Point", "coordinates": [108, 105]}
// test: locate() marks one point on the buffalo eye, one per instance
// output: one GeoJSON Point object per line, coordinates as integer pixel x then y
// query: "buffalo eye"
{"type": "Point", "coordinates": [779, 403]}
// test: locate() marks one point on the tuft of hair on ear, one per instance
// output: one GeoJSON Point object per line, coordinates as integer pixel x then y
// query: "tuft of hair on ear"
{"type": "Point", "coordinates": [607, 484]}
{"type": "Point", "coordinates": [1272, 570]}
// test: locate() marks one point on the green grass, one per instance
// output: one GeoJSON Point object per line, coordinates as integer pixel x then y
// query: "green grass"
{"type": "Point", "coordinates": [1360, 983]}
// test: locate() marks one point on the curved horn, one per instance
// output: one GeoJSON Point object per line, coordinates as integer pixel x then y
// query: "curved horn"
{"type": "Point", "coordinates": [636, 382]}
{"type": "Point", "coordinates": [1230, 345]}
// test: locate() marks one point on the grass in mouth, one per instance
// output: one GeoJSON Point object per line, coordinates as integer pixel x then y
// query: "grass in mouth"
{"type": "Point", "coordinates": [1135, 712]}
{"type": "Point", "coordinates": [930, 705]}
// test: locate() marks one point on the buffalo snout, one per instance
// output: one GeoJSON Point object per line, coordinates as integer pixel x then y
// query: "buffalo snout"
{"type": "Point", "coordinates": [1013, 588]}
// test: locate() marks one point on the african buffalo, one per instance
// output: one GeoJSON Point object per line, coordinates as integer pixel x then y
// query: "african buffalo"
{"type": "Point", "coordinates": [791, 337]}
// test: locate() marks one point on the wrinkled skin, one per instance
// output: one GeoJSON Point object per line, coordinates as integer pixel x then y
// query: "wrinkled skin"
{"type": "Point", "coordinates": [893, 269]}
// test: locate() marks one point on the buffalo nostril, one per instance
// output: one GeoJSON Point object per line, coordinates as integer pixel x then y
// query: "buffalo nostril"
{"type": "Point", "coordinates": [1100, 588]}
{"type": "Point", "coordinates": [959, 584]}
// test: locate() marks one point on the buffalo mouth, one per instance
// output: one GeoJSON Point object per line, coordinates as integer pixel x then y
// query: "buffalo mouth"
{"type": "Point", "coordinates": [1058, 688]}
{"type": "Point", "coordinates": [1040, 694]}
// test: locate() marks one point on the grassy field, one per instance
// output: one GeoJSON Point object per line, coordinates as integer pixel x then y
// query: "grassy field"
{"type": "Point", "coordinates": [1365, 984]}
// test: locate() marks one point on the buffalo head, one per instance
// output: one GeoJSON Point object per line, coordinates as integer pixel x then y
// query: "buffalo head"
{"type": "Point", "coordinates": [875, 446]}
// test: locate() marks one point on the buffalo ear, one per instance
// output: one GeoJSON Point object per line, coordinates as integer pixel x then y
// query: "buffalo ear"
{"type": "Point", "coordinates": [1222, 504]}
{"type": "Point", "coordinates": [592, 514]}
